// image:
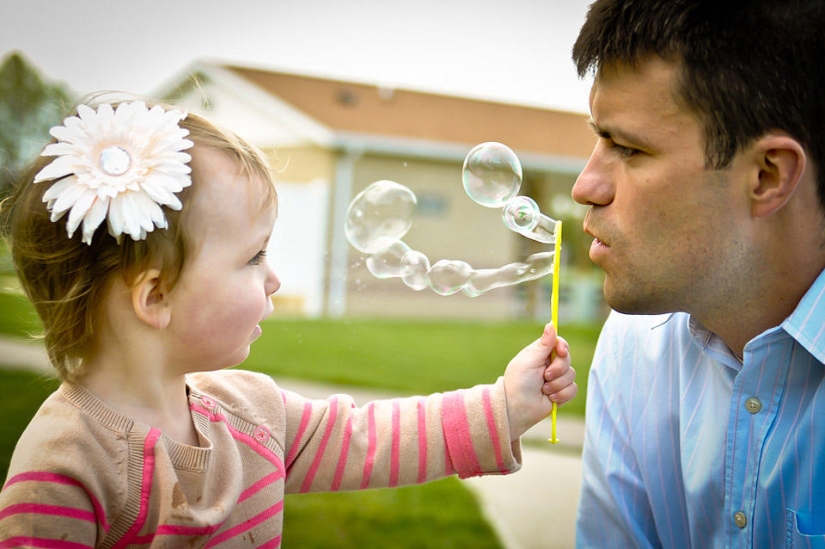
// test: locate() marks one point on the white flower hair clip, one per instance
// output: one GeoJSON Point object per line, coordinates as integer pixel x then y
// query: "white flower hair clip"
{"type": "Point", "coordinates": [121, 165]}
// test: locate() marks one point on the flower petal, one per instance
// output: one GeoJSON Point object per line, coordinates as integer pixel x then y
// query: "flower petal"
{"type": "Point", "coordinates": [57, 188]}
{"type": "Point", "coordinates": [79, 210]}
{"type": "Point", "coordinates": [59, 167]}
{"type": "Point", "coordinates": [69, 197]}
{"type": "Point", "coordinates": [94, 217]}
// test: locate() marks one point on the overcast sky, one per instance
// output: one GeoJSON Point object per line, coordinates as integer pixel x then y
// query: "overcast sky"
{"type": "Point", "coordinates": [515, 51]}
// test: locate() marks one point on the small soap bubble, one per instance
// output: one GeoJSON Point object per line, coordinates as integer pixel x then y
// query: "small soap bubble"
{"type": "Point", "coordinates": [485, 280]}
{"type": "Point", "coordinates": [540, 264]}
{"type": "Point", "coordinates": [491, 174]}
{"type": "Point", "coordinates": [522, 215]}
{"type": "Point", "coordinates": [536, 266]}
{"type": "Point", "coordinates": [382, 210]}
{"type": "Point", "coordinates": [448, 276]}
{"type": "Point", "coordinates": [386, 261]}
{"type": "Point", "coordinates": [414, 267]}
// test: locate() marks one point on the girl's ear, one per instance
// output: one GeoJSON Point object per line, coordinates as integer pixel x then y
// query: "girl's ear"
{"type": "Point", "coordinates": [150, 302]}
{"type": "Point", "coordinates": [781, 163]}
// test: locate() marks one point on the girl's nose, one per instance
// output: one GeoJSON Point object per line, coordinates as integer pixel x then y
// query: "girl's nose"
{"type": "Point", "coordinates": [273, 283]}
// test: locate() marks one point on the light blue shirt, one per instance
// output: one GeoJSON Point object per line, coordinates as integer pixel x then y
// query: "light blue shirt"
{"type": "Point", "coordinates": [686, 446]}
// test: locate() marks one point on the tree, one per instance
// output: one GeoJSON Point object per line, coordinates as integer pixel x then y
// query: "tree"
{"type": "Point", "coordinates": [29, 106]}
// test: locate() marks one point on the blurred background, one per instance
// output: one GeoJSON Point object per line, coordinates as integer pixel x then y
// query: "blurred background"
{"type": "Point", "coordinates": [339, 95]}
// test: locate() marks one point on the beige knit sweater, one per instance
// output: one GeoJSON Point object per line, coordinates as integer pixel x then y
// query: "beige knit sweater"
{"type": "Point", "coordinates": [83, 475]}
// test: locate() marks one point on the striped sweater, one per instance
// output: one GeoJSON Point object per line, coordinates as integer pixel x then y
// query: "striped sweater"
{"type": "Point", "coordinates": [84, 475]}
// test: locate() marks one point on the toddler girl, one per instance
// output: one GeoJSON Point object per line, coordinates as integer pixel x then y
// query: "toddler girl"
{"type": "Point", "coordinates": [140, 237]}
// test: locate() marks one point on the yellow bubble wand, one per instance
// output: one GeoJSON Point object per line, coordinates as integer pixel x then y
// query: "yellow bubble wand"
{"type": "Point", "coordinates": [554, 317]}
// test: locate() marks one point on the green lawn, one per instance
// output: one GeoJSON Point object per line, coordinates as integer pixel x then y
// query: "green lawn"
{"type": "Point", "coordinates": [408, 357]}
{"type": "Point", "coordinates": [17, 316]}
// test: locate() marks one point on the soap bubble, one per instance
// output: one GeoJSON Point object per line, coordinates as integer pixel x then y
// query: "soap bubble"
{"type": "Point", "coordinates": [522, 215]}
{"type": "Point", "coordinates": [380, 216]}
{"type": "Point", "coordinates": [484, 280]}
{"type": "Point", "coordinates": [448, 276]}
{"type": "Point", "coordinates": [386, 262]}
{"type": "Point", "coordinates": [491, 174]}
{"type": "Point", "coordinates": [382, 210]}
{"type": "Point", "coordinates": [415, 266]}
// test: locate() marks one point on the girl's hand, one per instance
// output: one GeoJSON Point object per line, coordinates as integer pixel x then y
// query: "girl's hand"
{"type": "Point", "coordinates": [537, 376]}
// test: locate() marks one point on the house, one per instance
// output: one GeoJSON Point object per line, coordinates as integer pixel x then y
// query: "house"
{"type": "Point", "coordinates": [330, 139]}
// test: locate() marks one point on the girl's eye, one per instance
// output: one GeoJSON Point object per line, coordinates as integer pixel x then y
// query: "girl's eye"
{"type": "Point", "coordinates": [259, 258]}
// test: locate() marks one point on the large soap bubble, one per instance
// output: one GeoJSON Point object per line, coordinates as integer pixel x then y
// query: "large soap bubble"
{"type": "Point", "coordinates": [380, 216]}
{"type": "Point", "coordinates": [491, 174]}
{"type": "Point", "coordinates": [382, 210]}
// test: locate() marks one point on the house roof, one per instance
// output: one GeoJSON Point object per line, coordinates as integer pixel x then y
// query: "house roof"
{"type": "Point", "coordinates": [359, 109]}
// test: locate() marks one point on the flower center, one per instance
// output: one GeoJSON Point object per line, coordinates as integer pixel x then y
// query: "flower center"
{"type": "Point", "coordinates": [115, 160]}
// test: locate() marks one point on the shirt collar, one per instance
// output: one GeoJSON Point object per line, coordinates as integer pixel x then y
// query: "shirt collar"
{"type": "Point", "coordinates": [712, 344]}
{"type": "Point", "coordinates": [807, 322]}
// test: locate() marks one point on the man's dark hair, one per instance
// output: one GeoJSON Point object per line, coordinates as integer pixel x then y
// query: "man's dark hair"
{"type": "Point", "coordinates": [748, 66]}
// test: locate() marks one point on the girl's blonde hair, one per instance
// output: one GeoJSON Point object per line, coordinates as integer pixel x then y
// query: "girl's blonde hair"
{"type": "Point", "coordinates": [67, 280]}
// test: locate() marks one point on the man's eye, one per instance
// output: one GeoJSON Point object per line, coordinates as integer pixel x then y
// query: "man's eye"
{"type": "Point", "coordinates": [624, 152]}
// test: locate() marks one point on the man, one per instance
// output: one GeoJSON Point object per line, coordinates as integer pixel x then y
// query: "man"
{"type": "Point", "coordinates": [706, 399]}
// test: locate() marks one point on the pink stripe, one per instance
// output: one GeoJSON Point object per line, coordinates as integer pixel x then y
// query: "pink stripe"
{"type": "Point", "coordinates": [45, 476]}
{"type": "Point", "coordinates": [396, 443]}
{"type": "Point", "coordinates": [370, 459]}
{"type": "Point", "coordinates": [458, 435]}
{"type": "Point", "coordinates": [319, 455]}
{"type": "Point", "coordinates": [146, 487]}
{"type": "Point", "coordinates": [422, 441]}
{"type": "Point", "coordinates": [260, 485]}
{"type": "Point", "coordinates": [449, 470]}
{"type": "Point", "coordinates": [22, 541]}
{"type": "Point", "coordinates": [51, 510]}
{"type": "Point", "coordinates": [246, 525]}
{"type": "Point", "coordinates": [178, 530]}
{"type": "Point", "coordinates": [296, 444]}
{"type": "Point", "coordinates": [271, 544]}
{"type": "Point", "coordinates": [342, 459]}
{"type": "Point", "coordinates": [486, 402]}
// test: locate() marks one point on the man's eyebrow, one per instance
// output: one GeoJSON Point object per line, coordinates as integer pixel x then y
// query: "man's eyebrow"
{"type": "Point", "coordinates": [621, 135]}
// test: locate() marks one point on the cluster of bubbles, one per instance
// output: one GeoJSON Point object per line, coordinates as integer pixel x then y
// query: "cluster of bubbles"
{"type": "Point", "coordinates": [380, 216]}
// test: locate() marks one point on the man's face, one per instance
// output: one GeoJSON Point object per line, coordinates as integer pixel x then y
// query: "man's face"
{"type": "Point", "coordinates": [669, 234]}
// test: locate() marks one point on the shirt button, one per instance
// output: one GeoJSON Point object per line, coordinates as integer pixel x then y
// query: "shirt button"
{"type": "Point", "coordinates": [753, 405]}
{"type": "Point", "coordinates": [740, 519]}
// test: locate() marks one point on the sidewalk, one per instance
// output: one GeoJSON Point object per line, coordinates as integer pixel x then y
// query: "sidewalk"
{"type": "Point", "coordinates": [534, 508]}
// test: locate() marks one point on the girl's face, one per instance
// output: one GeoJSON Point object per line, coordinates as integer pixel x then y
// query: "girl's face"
{"type": "Point", "coordinates": [225, 287]}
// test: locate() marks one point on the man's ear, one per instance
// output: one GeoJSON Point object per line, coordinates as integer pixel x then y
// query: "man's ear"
{"type": "Point", "coordinates": [781, 162]}
{"type": "Point", "coordinates": [149, 300]}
